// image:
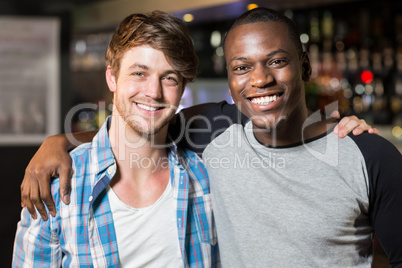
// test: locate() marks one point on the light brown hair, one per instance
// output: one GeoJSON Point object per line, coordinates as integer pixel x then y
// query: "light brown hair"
{"type": "Point", "coordinates": [160, 31]}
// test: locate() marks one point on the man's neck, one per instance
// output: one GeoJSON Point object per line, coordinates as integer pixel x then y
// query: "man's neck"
{"type": "Point", "coordinates": [142, 166]}
{"type": "Point", "coordinates": [292, 130]}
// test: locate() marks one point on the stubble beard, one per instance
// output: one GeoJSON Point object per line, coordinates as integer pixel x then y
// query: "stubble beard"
{"type": "Point", "coordinates": [143, 127]}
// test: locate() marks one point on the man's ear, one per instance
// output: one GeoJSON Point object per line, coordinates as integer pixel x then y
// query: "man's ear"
{"type": "Point", "coordinates": [306, 67]}
{"type": "Point", "coordinates": [110, 79]}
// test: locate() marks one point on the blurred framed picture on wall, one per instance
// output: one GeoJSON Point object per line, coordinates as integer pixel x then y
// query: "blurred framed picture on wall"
{"type": "Point", "coordinates": [29, 79]}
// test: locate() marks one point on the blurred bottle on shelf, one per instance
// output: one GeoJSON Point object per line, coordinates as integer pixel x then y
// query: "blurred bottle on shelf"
{"type": "Point", "coordinates": [356, 59]}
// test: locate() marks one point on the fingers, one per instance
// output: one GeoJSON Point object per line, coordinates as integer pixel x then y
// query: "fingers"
{"type": "Point", "coordinates": [31, 209]}
{"type": "Point", "coordinates": [44, 194]}
{"type": "Point", "coordinates": [346, 125]}
{"type": "Point", "coordinates": [65, 172]}
{"type": "Point", "coordinates": [36, 199]}
{"type": "Point", "coordinates": [24, 189]}
{"type": "Point", "coordinates": [353, 124]}
{"type": "Point", "coordinates": [365, 127]}
{"type": "Point", "coordinates": [362, 127]}
{"type": "Point", "coordinates": [373, 130]}
{"type": "Point", "coordinates": [25, 195]}
{"type": "Point", "coordinates": [335, 114]}
{"type": "Point", "coordinates": [45, 164]}
{"type": "Point", "coordinates": [336, 130]}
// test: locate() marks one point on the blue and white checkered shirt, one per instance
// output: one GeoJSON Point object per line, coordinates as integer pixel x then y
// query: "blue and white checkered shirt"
{"type": "Point", "coordinates": [83, 234]}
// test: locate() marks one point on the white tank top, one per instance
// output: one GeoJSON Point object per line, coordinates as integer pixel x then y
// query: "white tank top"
{"type": "Point", "coordinates": [147, 237]}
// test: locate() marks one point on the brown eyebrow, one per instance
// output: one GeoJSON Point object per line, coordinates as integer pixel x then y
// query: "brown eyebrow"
{"type": "Point", "coordinates": [171, 72]}
{"type": "Point", "coordinates": [237, 58]}
{"type": "Point", "coordinates": [276, 52]}
{"type": "Point", "coordinates": [141, 66]}
{"type": "Point", "coordinates": [145, 67]}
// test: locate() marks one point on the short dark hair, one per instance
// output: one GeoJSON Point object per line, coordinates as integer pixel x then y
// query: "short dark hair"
{"type": "Point", "coordinates": [160, 31]}
{"type": "Point", "coordinates": [262, 14]}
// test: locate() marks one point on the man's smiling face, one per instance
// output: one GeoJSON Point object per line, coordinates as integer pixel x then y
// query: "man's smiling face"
{"type": "Point", "coordinates": [147, 91]}
{"type": "Point", "coordinates": [264, 72]}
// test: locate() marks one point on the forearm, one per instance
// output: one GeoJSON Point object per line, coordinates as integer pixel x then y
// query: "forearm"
{"type": "Point", "coordinates": [70, 141]}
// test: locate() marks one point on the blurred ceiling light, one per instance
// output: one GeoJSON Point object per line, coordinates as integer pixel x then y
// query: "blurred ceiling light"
{"type": "Point", "coordinates": [347, 92]}
{"type": "Point", "coordinates": [335, 83]}
{"type": "Point", "coordinates": [188, 17]}
{"type": "Point", "coordinates": [339, 45]}
{"type": "Point", "coordinates": [366, 77]}
{"type": "Point", "coordinates": [360, 89]}
{"type": "Point", "coordinates": [369, 89]}
{"type": "Point", "coordinates": [252, 6]}
{"type": "Point", "coordinates": [397, 131]}
{"type": "Point", "coordinates": [219, 51]}
{"type": "Point", "coordinates": [216, 38]}
{"type": "Point", "coordinates": [288, 13]}
{"type": "Point", "coordinates": [80, 47]}
{"type": "Point", "coordinates": [304, 38]}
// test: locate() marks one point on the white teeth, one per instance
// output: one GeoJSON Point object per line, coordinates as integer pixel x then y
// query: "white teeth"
{"type": "Point", "coordinates": [264, 100]}
{"type": "Point", "coordinates": [145, 107]}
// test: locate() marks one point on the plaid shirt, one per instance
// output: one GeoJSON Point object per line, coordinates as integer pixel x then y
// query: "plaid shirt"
{"type": "Point", "coordinates": [83, 234]}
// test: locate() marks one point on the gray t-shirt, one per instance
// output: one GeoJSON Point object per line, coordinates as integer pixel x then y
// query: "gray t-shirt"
{"type": "Point", "coordinates": [315, 204]}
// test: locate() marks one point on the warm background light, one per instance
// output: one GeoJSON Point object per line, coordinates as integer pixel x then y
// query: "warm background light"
{"type": "Point", "coordinates": [188, 17]}
{"type": "Point", "coordinates": [252, 6]}
{"type": "Point", "coordinates": [367, 77]}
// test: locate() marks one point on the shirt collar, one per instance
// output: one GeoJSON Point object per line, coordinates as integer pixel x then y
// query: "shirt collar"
{"type": "Point", "coordinates": [174, 151]}
{"type": "Point", "coordinates": [102, 147]}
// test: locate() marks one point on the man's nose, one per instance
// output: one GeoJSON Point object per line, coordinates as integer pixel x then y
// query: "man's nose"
{"type": "Point", "coordinates": [154, 88]}
{"type": "Point", "coordinates": [261, 77]}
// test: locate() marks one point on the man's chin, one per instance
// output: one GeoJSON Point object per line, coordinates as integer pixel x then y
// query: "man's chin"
{"type": "Point", "coordinates": [146, 132]}
{"type": "Point", "coordinates": [268, 124]}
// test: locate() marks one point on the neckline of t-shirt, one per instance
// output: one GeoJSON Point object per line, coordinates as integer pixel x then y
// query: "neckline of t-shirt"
{"type": "Point", "coordinates": [164, 195]}
{"type": "Point", "coordinates": [293, 145]}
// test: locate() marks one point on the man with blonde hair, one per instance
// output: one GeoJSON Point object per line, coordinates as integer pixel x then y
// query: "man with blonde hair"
{"type": "Point", "coordinates": [137, 199]}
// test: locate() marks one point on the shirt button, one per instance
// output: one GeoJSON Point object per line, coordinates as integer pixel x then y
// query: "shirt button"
{"type": "Point", "coordinates": [110, 171]}
{"type": "Point", "coordinates": [90, 198]}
